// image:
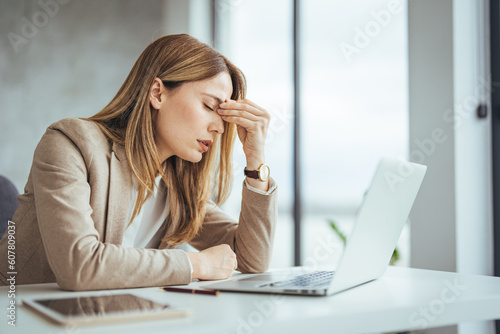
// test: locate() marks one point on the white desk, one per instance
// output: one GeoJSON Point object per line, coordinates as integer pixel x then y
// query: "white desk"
{"type": "Point", "coordinates": [402, 299]}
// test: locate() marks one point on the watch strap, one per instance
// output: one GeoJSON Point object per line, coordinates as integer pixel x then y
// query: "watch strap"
{"type": "Point", "coordinates": [254, 174]}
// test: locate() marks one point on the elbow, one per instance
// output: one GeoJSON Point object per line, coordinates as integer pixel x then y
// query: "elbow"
{"type": "Point", "coordinates": [69, 285]}
{"type": "Point", "coordinates": [73, 279]}
{"type": "Point", "coordinates": [72, 283]}
{"type": "Point", "coordinates": [77, 285]}
{"type": "Point", "coordinates": [255, 262]}
{"type": "Point", "coordinates": [79, 273]}
{"type": "Point", "coordinates": [254, 268]}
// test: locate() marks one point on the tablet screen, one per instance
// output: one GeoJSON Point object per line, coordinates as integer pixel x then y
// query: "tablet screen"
{"type": "Point", "coordinates": [100, 305]}
{"type": "Point", "coordinates": [105, 308]}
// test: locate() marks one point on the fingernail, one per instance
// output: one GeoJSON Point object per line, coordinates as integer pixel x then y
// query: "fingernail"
{"type": "Point", "coordinates": [223, 104]}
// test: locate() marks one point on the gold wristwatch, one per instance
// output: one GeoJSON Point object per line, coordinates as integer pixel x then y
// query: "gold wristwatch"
{"type": "Point", "coordinates": [262, 173]}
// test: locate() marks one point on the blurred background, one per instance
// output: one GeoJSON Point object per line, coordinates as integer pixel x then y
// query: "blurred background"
{"type": "Point", "coordinates": [351, 80]}
{"type": "Point", "coordinates": [71, 58]}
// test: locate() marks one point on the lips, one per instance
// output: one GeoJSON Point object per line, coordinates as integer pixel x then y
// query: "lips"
{"type": "Point", "coordinates": [205, 144]}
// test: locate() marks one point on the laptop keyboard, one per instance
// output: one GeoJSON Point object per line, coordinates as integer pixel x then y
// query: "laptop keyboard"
{"type": "Point", "coordinates": [317, 279]}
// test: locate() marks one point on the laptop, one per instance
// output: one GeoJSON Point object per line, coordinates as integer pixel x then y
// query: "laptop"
{"type": "Point", "coordinates": [369, 248]}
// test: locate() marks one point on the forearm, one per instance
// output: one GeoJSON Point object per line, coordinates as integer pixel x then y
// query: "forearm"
{"type": "Point", "coordinates": [95, 265]}
{"type": "Point", "coordinates": [253, 239]}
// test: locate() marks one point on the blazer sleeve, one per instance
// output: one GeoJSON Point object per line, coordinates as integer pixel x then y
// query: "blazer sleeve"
{"type": "Point", "coordinates": [252, 238]}
{"type": "Point", "coordinates": [79, 260]}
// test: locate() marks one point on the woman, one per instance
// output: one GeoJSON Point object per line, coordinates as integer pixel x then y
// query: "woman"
{"type": "Point", "coordinates": [109, 197]}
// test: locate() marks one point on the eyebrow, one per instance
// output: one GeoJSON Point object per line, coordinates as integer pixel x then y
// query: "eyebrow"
{"type": "Point", "coordinates": [213, 97]}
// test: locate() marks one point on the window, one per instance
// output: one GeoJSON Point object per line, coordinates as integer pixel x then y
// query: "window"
{"type": "Point", "coordinates": [353, 104]}
{"type": "Point", "coordinates": [354, 108]}
{"type": "Point", "coordinates": [256, 37]}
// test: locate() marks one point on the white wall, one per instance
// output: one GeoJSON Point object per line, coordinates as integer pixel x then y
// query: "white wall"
{"type": "Point", "coordinates": [473, 179]}
{"type": "Point", "coordinates": [192, 17]}
{"type": "Point", "coordinates": [70, 59]}
{"type": "Point", "coordinates": [472, 140]}
{"type": "Point", "coordinates": [433, 231]}
{"type": "Point", "coordinates": [71, 65]}
{"type": "Point", "coordinates": [451, 225]}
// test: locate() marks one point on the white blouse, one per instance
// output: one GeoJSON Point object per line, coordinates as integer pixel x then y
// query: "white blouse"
{"type": "Point", "coordinates": [152, 215]}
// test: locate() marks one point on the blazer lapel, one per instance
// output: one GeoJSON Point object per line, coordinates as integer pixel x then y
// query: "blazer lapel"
{"type": "Point", "coordinates": [120, 183]}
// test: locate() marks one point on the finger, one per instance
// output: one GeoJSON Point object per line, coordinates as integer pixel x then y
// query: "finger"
{"type": "Point", "coordinates": [238, 113]}
{"type": "Point", "coordinates": [243, 105]}
{"type": "Point", "coordinates": [253, 104]}
{"type": "Point", "coordinates": [246, 123]}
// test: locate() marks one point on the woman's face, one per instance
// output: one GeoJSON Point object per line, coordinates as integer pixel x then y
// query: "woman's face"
{"type": "Point", "coordinates": [187, 120]}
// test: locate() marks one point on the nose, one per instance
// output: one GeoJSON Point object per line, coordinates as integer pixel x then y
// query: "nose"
{"type": "Point", "coordinates": [216, 124]}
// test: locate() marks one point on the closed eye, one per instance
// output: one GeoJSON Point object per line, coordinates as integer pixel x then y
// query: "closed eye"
{"type": "Point", "coordinates": [208, 107]}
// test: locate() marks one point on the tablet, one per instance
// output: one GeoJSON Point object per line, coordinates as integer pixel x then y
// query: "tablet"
{"type": "Point", "coordinates": [101, 309]}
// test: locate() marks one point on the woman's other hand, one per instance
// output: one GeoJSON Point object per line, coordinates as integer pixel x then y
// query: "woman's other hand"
{"type": "Point", "coordinates": [213, 263]}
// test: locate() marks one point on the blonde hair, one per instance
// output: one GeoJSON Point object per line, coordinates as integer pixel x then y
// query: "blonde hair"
{"type": "Point", "coordinates": [128, 120]}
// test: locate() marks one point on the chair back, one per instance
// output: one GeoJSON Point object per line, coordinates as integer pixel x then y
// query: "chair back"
{"type": "Point", "coordinates": [8, 202]}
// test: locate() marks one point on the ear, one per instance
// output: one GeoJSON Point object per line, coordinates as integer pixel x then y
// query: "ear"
{"type": "Point", "coordinates": [155, 96]}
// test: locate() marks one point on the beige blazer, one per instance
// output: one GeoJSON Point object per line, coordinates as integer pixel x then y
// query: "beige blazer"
{"type": "Point", "coordinates": [71, 218]}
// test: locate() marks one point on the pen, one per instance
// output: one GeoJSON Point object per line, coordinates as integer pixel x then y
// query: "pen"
{"type": "Point", "coordinates": [193, 291]}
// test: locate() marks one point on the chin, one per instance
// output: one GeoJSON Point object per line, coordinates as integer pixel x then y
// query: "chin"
{"type": "Point", "coordinates": [195, 158]}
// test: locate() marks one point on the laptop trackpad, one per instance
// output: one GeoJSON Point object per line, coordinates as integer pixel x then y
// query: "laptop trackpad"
{"type": "Point", "coordinates": [266, 278]}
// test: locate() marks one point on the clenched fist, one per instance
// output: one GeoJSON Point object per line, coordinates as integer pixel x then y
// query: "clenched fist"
{"type": "Point", "coordinates": [213, 263]}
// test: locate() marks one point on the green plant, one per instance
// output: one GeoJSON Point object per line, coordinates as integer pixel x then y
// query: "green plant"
{"type": "Point", "coordinates": [395, 255]}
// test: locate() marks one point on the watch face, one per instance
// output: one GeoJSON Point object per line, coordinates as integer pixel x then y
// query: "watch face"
{"type": "Point", "coordinates": [264, 172]}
